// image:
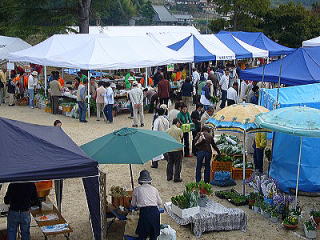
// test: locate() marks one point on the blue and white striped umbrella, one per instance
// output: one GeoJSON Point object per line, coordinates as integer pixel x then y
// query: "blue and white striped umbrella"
{"type": "Point", "coordinates": [209, 47]}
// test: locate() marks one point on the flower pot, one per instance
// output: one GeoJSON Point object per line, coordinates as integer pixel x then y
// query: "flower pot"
{"type": "Point", "coordinates": [310, 234]}
{"type": "Point", "coordinates": [316, 219]}
{"type": "Point", "coordinates": [290, 227]}
{"type": "Point", "coordinates": [274, 219]}
{"type": "Point", "coordinates": [251, 203]}
{"type": "Point", "coordinates": [256, 209]}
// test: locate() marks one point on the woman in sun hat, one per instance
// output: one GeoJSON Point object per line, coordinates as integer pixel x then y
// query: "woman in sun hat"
{"type": "Point", "coordinates": [147, 199]}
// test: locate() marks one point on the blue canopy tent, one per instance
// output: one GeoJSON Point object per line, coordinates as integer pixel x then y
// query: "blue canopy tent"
{"type": "Point", "coordinates": [285, 152]}
{"type": "Point", "coordinates": [259, 40]}
{"type": "Point", "coordinates": [209, 47]}
{"type": "Point", "coordinates": [33, 153]}
{"type": "Point", "coordinates": [300, 67]}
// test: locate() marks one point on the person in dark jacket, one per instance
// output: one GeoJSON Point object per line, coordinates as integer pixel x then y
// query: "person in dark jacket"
{"type": "Point", "coordinates": [255, 98]}
{"type": "Point", "coordinates": [203, 141]}
{"type": "Point", "coordinates": [164, 90]}
{"type": "Point", "coordinates": [186, 91]}
{"type": "Point", "coordinates": [205, 98]}
{"type": "Point", "coordinates": [20, 197]}
{"type": "Point", "coordinates": [11, 89]}
{"type": "Point", "coordinates": [157, 78]}
{"type": "Point", "coordinates": [196, 117]}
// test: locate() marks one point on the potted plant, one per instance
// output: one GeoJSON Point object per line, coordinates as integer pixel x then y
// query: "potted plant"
{"type": "Point", "coordinates": [310, 229]}
{"type": "Point", "coordinates": [118, 196]}
{"type": "Point", "coordinates": [252, 199]}
{"type": "Point", "coordinates": [205, 188]}
{"type": "Point", "coordinates": [274, 215]}
{"type": "Point", "coordinates": [290, 222]}
{"type": "Point", "coordinates": [186, 205]}
{"type": "Point", "coordinates": [316, 216]}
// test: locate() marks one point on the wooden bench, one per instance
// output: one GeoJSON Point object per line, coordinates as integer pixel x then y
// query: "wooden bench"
{"type": "Point", "coordinates": [60, 220]}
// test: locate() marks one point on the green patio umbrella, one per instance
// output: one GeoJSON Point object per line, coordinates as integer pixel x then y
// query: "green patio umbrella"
{"type": "Point", "coordinates": [130, 146]}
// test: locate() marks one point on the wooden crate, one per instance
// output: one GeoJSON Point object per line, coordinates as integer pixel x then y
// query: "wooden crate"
{"type": "Point", "coordinates": [48, 109]}
{"type": "Point", "coordinates": [237, 173]}
{"type": "Point", "coordinates": [219, 166]}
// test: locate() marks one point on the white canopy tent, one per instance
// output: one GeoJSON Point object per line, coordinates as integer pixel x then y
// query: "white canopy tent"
{"type": "Point", "coordinates": [100, 51]}
{"type": "Point", "coordinates": [11, 44]}
{"type": "Point", "coordinates": [314, 42]}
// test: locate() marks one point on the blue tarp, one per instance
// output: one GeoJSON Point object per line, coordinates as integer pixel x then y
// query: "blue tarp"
{"type": "Point", "coordinates": [32, 152]}
{"type": "Point", "coordinates": [286, 147]}
{"type": "Point", "coordinates": [259, 40]}
{"type": "Point", "coordinates": [298, 68]}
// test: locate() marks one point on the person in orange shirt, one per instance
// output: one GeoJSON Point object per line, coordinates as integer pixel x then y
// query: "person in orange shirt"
{"type": "Point", "coordinates": [178, 76]}
{"type": "Point", "coordinates": [150, 81]}
{"type": "Point", "coordinates": [61, 81]}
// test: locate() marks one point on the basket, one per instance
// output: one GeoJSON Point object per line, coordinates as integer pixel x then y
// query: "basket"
{"type": "Point", "coordinates": [219, 166]}
{"type": "Point", "coordinates": [48, 109]}
{"type": "Point", "coordinates": [237, 173]}
{"type": "Point", "coordinates": [67, 108]}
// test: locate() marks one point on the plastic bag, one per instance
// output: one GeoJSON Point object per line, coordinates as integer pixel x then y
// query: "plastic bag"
{"type": "Point", "coordinates": [167, 234]}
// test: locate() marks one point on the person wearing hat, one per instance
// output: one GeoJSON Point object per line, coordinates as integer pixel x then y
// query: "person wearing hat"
{"type": "Point", "coordinates": [205, 95]}
{"type": "Point", "coordinates": [32, 83]}
{"type": "Point", "coordinates": [136, 98]}
{"type": "Point", "coordinates": [147, 199]}
{"type": "Point", "coordinates": [129, 77]}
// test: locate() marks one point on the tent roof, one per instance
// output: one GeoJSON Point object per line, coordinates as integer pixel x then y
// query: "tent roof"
{"type": "Point", "coordinates": [314, 42]}
{"type": "Point", "coordinates": [90, 51]}
{"type": "Point", "coordinates": [207, 47]}
{"type": "Point", "coordinates": [300, 67]}
{"type": "Point", "coordinates": [260, 40]}
{"type": "Point", "coordinates": [33, 152]}
{"type": "Point", "coordinates": [295, 95]}
{"type": "Point", "coordinates": [11, 44]}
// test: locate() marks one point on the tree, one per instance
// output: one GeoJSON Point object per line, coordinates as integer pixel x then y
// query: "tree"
{"type": "Point", "coordinates": [84, 15]}
{"type": "Point", "coordinates": [244, 15]}
{"type": "Point", "coordinates": [291, 24]}
{"type": "Point", "coordinates": [218, 25]}
{"type": "Point", "coordinates": [146, 13]}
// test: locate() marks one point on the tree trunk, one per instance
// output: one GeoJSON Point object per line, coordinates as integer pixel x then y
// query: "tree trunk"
{"type": "Point", "coordinates": [84, 15]}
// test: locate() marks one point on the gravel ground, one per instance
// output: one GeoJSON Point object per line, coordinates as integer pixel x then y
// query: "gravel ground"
{"type": "Point", "coordinates": [74, 203]}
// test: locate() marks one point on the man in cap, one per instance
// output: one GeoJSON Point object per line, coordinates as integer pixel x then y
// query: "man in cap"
{"type": "Point", "coordinates": [147, 199]}
{"type": "Point", "coordinates": [129, 78]}
{"type": "Point", "coordinates": [205, 98]}
{"type": "Point", "coordinates": [136, 98]}
{"type": "Point", "coordinates": [32, 83]}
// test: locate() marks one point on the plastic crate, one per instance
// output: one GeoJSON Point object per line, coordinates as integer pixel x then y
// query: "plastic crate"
{"type": "Point", "coordinates": [237, 173]}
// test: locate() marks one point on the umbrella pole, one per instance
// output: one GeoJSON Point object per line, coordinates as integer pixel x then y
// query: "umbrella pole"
{"type": "Point", "coordinates": [298, 173]}
{"type": "Point", "coordinates": [244, 164]}
{"type": "Point", "coordinates": [131, 175]}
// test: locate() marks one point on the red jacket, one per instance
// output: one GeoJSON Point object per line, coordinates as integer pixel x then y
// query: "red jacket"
{"type": "Point", "coordinates": [163, 89]}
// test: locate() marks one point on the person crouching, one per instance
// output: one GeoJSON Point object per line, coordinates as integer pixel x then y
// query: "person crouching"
{"type": "Point", "coordinates": [147, 199]}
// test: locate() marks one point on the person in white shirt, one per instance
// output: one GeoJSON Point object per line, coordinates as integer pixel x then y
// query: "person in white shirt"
{"type": "Point", "coordinates": [136, 98]}
{"type": "Point", "coordinates": [109, 101]}
{"type": "Point", "coordinates": [232, 94]}
{"type": "Point", "coordinates": [243, 90]}
{"type": "Point", "coordinates": [161, 123]}
{"type": "Point", "coordinates": [195, 77]}
{"type": "Point", "coordinates": [224, 82]}
{"type": "Point", "coordinates": [174, 112]}
{"type": "Point", "coordinates": [147, 199]}
{"type": "Point", "coordinates": [32, 83]}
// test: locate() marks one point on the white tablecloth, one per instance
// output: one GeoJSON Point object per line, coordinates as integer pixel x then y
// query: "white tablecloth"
{"type": "Point", "coordinates": [212, 217]}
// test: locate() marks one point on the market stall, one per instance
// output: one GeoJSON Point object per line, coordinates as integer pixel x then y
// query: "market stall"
{"type": "Point", "coordinates": [314, 42]}
{"type": "Point", "coordinates": [9, 45]}
{"type": "Point", "coordinates": [64, 159]}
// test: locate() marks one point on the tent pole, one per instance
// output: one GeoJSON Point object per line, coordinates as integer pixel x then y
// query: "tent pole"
{"type": "Point", "coordinates": [131, 175]}
{"type": "Point", "coordinates": [244, 165]}
{"type": "Point", "coordinates": [298, 173]}
{"type": "Point", "coordinates": [88, 93]}
{"type": "Point", "coordinates": [279, 82]}
{"type": "Point", "coordinates": [146, 78]}
{"type": "Point", "coordinates": [62, 73]}
{"type": "Point", "coordinates": [45, 80]}
{"type": "Point", "coordinates": [264, 66]}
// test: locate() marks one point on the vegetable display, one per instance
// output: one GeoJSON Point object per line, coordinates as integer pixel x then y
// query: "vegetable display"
{"type": "Point", "coordinates": [186, 200]}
